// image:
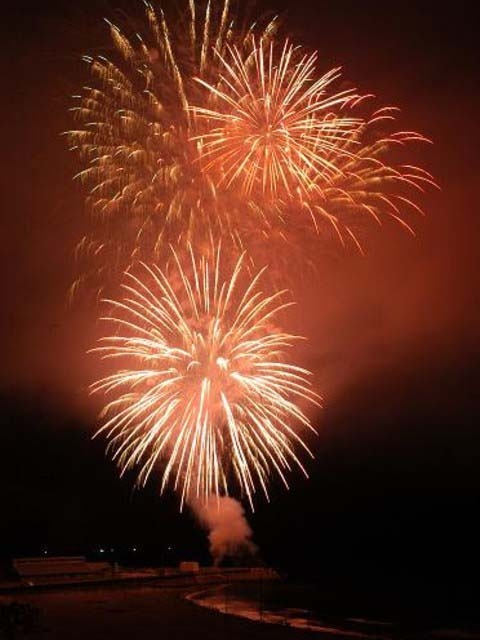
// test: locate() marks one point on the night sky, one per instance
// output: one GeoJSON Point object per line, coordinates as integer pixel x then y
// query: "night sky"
{"type": "Point", "coordinates": [393, 336]}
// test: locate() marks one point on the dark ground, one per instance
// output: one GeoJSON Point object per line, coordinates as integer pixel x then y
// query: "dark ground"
{"type": "Point", "coordinates": [155, 612]}
{"type": "Point", "coordinates": [146, 612]}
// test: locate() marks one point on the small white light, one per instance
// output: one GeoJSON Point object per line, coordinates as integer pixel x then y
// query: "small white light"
{"type": "Point", "coordinates": [222, 363]}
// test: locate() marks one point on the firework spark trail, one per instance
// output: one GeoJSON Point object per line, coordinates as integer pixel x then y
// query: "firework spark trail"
{"type": "Point", "coordinates": [205, 387]}
{"type": "Point", "coordinates": [367, 185]}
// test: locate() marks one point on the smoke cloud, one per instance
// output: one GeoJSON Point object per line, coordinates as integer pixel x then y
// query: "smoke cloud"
{"type": "Point", "coordinates": [229, 533]}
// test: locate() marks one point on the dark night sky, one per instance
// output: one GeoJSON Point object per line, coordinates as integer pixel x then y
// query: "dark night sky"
{"type": "Point", "coordinates": [393, 336]}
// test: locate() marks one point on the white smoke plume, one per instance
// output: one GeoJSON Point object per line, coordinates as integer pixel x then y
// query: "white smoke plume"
{"type": "Point", "coordinates": [229, 533]}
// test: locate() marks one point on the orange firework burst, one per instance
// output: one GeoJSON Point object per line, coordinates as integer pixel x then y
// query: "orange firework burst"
{"type": "Point", "coordinates": [282, 136]}
{"type": "Point", "coordinates": [274, 126]}
{"type": "Point", "coordinates": [198, 129]}
{"type": "Point", "coordinates": [205, 387]}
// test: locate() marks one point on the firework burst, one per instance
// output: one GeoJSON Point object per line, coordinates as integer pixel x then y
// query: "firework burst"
{"type": "Point", "coordinates": [276, 127]}
{"type": "Point", "coordinates": [283, 136]}
{"type": "Point", "coordinates": [197, 129]}
{"type": "Point", "coordinates": [205, 388]}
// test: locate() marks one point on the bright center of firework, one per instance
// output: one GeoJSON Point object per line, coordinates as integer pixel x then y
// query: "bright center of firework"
{"type": "Point", "coordinates": [208, 360]}
{"type": "Point", "coordinates": [211, 372]}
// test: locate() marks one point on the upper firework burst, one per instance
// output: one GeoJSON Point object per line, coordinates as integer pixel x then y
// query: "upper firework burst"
{"type": "Point", "coordinates": [198, 129]}
{"type": "Point", "coordinates": [274, 126]}
{"type": "Point", "coordinates": [202, 384]}
{"type": "Point", "coordinates": [276, 130]}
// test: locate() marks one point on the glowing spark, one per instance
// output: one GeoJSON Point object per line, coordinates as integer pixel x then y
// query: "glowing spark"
{"type": "Point", "coordinates": [205, 388]}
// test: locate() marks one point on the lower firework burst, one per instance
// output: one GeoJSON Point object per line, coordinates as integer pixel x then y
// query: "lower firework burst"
{"type": "Point", "coordinates": [203, 388]}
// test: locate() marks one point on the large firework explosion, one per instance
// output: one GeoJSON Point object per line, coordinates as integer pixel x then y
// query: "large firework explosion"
{"type": "Point", "coordinates": [196, 128]}
{"type": "Point", "coordinates": [204, 387]}
{"type": "Point", "coordinates": [275, 126]}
